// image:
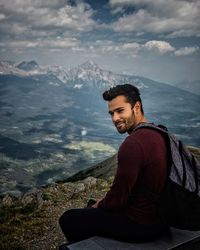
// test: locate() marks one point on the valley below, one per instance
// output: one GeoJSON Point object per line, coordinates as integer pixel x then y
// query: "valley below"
{"type": "Point", "coordinates": [54, 122]}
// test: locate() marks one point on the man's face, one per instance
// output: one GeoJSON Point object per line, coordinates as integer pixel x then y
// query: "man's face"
{"type": "Point", "coordinates": [122, 113]}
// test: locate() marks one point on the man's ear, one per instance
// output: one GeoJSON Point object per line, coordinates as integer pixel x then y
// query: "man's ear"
{"type": "Point", "coordinates": [137, 107]}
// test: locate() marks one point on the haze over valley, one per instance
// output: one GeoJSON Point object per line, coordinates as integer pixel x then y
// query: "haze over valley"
{"type": "Point", "coordinates": [54, 121]}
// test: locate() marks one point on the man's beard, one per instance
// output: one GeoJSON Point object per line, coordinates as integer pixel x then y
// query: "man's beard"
{"type": "Point", "coordinates": [121, 128]}
{"type": "Point", "coordinates": [125, 125]}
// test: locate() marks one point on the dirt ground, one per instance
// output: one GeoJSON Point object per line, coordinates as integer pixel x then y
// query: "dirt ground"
{"type": "Point", "coordinates": [34, 224]}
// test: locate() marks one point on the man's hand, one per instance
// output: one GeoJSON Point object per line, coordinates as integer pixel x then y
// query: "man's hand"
{"type": "Point", "coordinates": [96, 204]}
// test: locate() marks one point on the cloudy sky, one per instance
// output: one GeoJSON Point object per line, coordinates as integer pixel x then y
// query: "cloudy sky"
{"type": "Point", "coordinates": [159, 39]}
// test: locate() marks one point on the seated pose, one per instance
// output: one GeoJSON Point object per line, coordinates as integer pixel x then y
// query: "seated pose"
{"type": "Point", "coordinates": [126, 213]}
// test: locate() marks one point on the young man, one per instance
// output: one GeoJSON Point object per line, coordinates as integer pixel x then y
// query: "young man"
{"type": "Point", "coordinates": [126, 212]}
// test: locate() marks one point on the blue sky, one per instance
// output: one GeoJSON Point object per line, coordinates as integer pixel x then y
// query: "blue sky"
{"type": "Point", "coordinates": [159, 39]}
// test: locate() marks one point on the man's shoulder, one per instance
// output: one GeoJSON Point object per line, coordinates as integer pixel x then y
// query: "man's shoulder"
{"type": "Point", "coordinates": [147, 136]}
{"type": "Point", "coordinates": [141, 132]}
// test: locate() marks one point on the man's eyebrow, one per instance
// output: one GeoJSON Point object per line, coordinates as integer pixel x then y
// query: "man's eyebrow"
{"type": "Point", "coordinates": [117, 109]}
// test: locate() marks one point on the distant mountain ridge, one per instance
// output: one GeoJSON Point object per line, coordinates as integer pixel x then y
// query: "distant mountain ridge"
{"type": "Point", "coordinates": [88, 79]}
{"type": "Point", "coordinates": [191, 86]}
{"type": "Point", "coordinates": [88, 71]}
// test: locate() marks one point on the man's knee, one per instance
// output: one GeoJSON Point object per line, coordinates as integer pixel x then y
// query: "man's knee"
{"type": "Point", "coordinates": [74, 225]}
{"type": "Point", "coordinates": [66, 218]}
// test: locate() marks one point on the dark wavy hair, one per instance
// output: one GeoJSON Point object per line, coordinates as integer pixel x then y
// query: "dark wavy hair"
{"type": "Point", "coordinates": [131, 93]}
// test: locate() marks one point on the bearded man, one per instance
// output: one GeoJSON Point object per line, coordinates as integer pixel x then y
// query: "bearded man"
{"type": "Point", "coordinates": [126, 213]}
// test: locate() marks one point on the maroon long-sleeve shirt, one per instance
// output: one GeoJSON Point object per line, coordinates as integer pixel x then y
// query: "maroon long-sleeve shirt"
{"type": "Point", "coordinates": [142, 164]}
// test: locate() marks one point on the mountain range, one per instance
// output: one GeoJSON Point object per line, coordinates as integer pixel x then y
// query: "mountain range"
{"type": "Point", "coordinates": [191, 86]}
{"type": "Point", "coordinates": [89, 71]}
{"type": "Point", "coordinates": [54, 121]}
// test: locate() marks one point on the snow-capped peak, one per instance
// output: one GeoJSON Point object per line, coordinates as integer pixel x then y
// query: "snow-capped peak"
{"type": "Point", "coordinates": [8, 68]}
{"type": "Point", "coordinates": [28, 65]}
{"type": "Point", "coordinates": [89, 65]}
{"type": "Point", "coordinates": [88, 74]}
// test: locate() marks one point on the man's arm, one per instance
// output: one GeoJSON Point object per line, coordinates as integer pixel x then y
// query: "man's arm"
{"type": "Point", "coordinates": [97, 203]}
{"type": "Point", "coordinates": [130, 162]}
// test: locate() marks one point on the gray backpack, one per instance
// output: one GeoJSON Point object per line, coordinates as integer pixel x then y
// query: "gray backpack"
{"type": "Point", "coordinates": [179, 201]}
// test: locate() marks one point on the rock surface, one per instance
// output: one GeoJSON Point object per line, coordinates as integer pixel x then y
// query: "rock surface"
{"type": "Point", "coordinates": [31, 221]}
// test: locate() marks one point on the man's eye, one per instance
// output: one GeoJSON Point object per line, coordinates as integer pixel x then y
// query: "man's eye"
{"type": "Point", "coordinates": [121, 111]}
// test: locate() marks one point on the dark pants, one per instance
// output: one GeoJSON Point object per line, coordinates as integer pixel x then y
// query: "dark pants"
{"type": "Point", "coordinates": [79, 224]}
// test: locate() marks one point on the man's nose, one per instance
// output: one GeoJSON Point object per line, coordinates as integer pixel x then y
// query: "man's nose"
{"type": "Point", "coordinates": [115, 117]}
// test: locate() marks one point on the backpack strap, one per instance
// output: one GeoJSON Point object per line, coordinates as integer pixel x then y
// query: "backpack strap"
{"type": "Point", "coordinates": [159, 127]}
{"type": "Point", "coordinates": [163, 130]}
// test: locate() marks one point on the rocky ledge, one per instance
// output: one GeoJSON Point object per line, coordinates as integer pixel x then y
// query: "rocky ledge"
{"type": "Point", "coordinates": [31, 221]}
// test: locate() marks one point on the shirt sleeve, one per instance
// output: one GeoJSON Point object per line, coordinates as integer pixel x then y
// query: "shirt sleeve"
{"type": "Point", "coordinates": [130, 161]}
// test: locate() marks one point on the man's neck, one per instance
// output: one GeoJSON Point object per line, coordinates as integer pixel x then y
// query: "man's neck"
{"type": "Point", "coordinates": [142, 119]}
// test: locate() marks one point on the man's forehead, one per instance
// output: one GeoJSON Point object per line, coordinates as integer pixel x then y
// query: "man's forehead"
{"type": "Point", "coordinates": [117, 102]}
{"type": "Point", "coordinates": [121, 99]}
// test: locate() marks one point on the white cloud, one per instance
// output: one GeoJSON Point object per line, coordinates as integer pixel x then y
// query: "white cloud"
{"type": "Point", "coordinates": [37, 28]}
{"type": "Point", "coordinates": [50, 16]}
{"type": "Point", "coordinates": [68, 17]}
{"type": "Point", "coordinates": [134, 46]}
{"type": "Point", "coordinates": [143, 21]}
{"type": "Point", "coordinates": [175, 17]}
{"type": "Point", "coordinates": [161, 46]}
{"type": "Point", "coordinates": [2, 16]}
{"type": "Point", "coordinates": [100, 47]}
{"type": "Point", "coordinates": [133, 49]}
{"type": "Point", "coordinates": [43, 43]}
{"type": "Point", "coordinates": [125, 49]}
{"type": "Point", "coordinates": [21, 5]}
{"type": "Point", "coordinates": [186, 51]}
